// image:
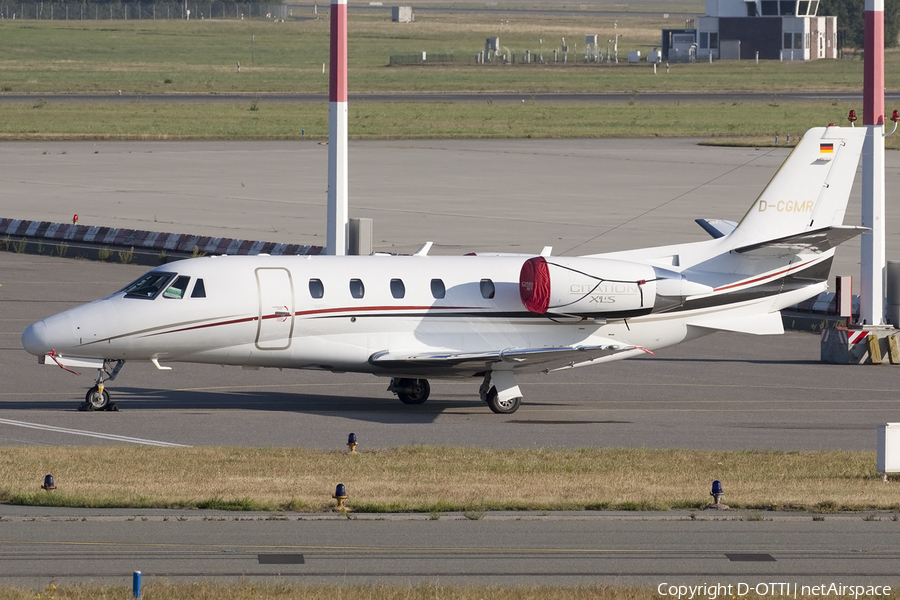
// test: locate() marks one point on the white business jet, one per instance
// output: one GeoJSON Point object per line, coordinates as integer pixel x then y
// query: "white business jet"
{"type": "Point", "coordinates": [487, 318]}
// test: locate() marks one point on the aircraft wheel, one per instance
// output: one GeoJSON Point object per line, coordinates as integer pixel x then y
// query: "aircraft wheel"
{"type": "Point", "coordinates": [96, 399]}
{"type": "Point", "coordinates": [502, 407]}
{"type": "Point", "coordinates": [414, 391]}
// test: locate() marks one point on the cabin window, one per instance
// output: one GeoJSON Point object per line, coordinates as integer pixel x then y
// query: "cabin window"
{"type": "Point", "coordinates": [357, 289]}
{"type": "Point", "coordinates": [178, 288]}
{"type": "Point", "coordinates": [316, 289]}
{"type": "Point", "coordinates": [199, 290]}
{"type": "Point", "coordinates": [398, 290]}
{"type": "Point", "coordinates": [487, 289]}
{"type": "Point", "coordinates": [437, 288]}
{"type": "Point", "coordinates": [149, 286]}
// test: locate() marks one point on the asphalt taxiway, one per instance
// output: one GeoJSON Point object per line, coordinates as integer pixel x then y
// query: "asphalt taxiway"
{"type": "Point", "coordinates": [581, 196]}
{"type": "Point", "coordinates": [651, 550]}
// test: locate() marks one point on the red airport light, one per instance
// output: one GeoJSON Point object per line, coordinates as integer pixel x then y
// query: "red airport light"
{"type": "Point", "coordinates": [852, 116]}
{"type": "Point", "coordinates": [895, 116]}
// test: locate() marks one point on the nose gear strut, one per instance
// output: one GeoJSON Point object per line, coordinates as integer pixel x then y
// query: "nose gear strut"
{"type": "Point", "coordinates": [97, 398]}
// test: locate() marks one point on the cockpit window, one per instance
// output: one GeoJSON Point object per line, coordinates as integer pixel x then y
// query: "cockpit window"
{"type": "Point", "coordinates": [149, 286]}
{"type": "Point", "coordinates": [178, 288]}
{"type": "Point", "coordinates": [199, 290]}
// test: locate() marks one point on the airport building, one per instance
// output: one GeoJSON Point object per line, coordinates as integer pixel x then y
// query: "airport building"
{"type": "Point", "coordinates": [750, 29]}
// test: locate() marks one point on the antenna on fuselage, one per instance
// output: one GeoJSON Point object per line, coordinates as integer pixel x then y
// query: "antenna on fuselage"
{"type": "Point", "coordinates": [338, 221]}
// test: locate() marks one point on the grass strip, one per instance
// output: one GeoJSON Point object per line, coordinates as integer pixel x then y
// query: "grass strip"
{"type": "Point", "coordinates": [177, 56]}
{"type": "Point", "coordinates": [439, 479]}
{"type": "Point", "coordinates": [249, 591]}
{"type": "Point", "coordinates": [757, 123]}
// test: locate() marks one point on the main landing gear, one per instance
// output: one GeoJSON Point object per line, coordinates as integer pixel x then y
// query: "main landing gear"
{"type": "Point", "coordinates": [410, 391]}
{"type": "Point", "coordinates": [97, 398]}
{"type": "Point", "coordinates": [499, 390]}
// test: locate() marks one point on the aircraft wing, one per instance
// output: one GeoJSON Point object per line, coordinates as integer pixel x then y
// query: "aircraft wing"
{"type": "Point", "coordinates": [525, 359]}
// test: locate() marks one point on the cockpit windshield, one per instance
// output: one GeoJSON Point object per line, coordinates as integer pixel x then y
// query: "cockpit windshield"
{"type": "Point", "coordinates": [148, 286]}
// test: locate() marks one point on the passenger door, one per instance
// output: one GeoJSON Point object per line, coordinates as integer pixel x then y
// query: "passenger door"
{"type": "Point", "coordinates": [276, 308]}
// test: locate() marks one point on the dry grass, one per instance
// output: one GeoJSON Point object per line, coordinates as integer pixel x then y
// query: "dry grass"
{"type": "Point", "coordinates": [430, 479]}
{"type": "Point", "coordinates": [212, 591]}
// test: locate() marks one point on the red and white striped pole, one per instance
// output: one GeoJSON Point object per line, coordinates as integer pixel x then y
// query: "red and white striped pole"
{"type": "Point", "coordinates": [872, 256]}
{"type": "Point", "coordinates": [338, 220]}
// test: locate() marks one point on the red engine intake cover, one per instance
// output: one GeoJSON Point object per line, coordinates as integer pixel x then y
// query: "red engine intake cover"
{"type": "Point", "coordinates": [534, 285]}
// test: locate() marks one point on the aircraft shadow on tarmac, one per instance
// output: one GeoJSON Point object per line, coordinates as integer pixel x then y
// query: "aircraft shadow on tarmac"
{"type": "Point", "coordinates": [386, 409]}
{"type": "Point", "coordinates": [749, 361]}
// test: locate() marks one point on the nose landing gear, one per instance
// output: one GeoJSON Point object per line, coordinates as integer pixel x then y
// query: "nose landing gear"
{"type": "Point", "coordinates": [97, 398]}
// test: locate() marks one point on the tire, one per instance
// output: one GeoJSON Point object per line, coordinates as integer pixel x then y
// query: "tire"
{"type": "Point", "coordinates": [96, 399]}
{"type": "Point", "coordinates": [413, 391]}
{"type": "Point", "coordinates": [502, 407]}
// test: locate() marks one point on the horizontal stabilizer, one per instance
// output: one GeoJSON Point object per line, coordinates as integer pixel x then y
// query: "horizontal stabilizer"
{"type": "Point", "coordinates": [817, 241]}
{"type": "Point", "coordinates": [716, 227]}
{"type": "Point", "coordinates": [523, 358]}
{"type": "Point", "coordinates": [764, 324]}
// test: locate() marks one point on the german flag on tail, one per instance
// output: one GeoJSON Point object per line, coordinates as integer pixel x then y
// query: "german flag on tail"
{"type": "Point", "coordinates": [826, 148]}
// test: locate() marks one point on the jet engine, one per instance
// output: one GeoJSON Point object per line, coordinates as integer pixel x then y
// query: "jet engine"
{"type": "Point", "coordinates": [601, 287]}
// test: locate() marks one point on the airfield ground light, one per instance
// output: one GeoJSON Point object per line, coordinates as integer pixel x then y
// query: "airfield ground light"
{"type": "Point", "coordinates": [895, 117]}
{"type": "Point", "coordinates": [852, 118]}
{"type": "Point", "coordinates": [340, 494]}
{"type": "Point", "coordinates": [48, 483]}
{"type": "Point", "coordinates": [136, 584]}
{"type": "Point", "coordinates": [75, 219]}
{"type": "Point", "coordinates": [717, 493]}
{"type": "Point", "coordinates": [351, 443]}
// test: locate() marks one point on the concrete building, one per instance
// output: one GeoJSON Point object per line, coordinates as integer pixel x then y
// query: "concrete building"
{"type": "Point", "coordinates": [402, 14]}
{"type": "Point", "coordinates": [775, 29]}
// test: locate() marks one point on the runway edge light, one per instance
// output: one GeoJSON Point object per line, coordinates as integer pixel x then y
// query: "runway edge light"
{"type": "Point", "coordinates": [351, 443]}
{"type": "Point", "coordinates": [717, 493]}
{"type": "Point", "coordinates": [48, 483]}
{"type": "Point", "coordinates": [340, 494]}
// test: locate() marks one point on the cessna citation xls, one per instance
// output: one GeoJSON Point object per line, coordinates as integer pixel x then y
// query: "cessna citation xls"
{"type": "Point", "coordinates": [482, 317]}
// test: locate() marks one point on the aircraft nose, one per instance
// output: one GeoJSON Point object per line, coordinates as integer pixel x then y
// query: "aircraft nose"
{"type": "Point", "coordinates": [34, 339]}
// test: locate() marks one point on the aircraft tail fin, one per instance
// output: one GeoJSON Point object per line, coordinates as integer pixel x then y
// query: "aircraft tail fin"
{"type": "Point", "coordinates": [808, 194]}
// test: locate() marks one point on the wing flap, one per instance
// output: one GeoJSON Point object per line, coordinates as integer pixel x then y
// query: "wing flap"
{"type": "Point", "coordinates": [526, 359]}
